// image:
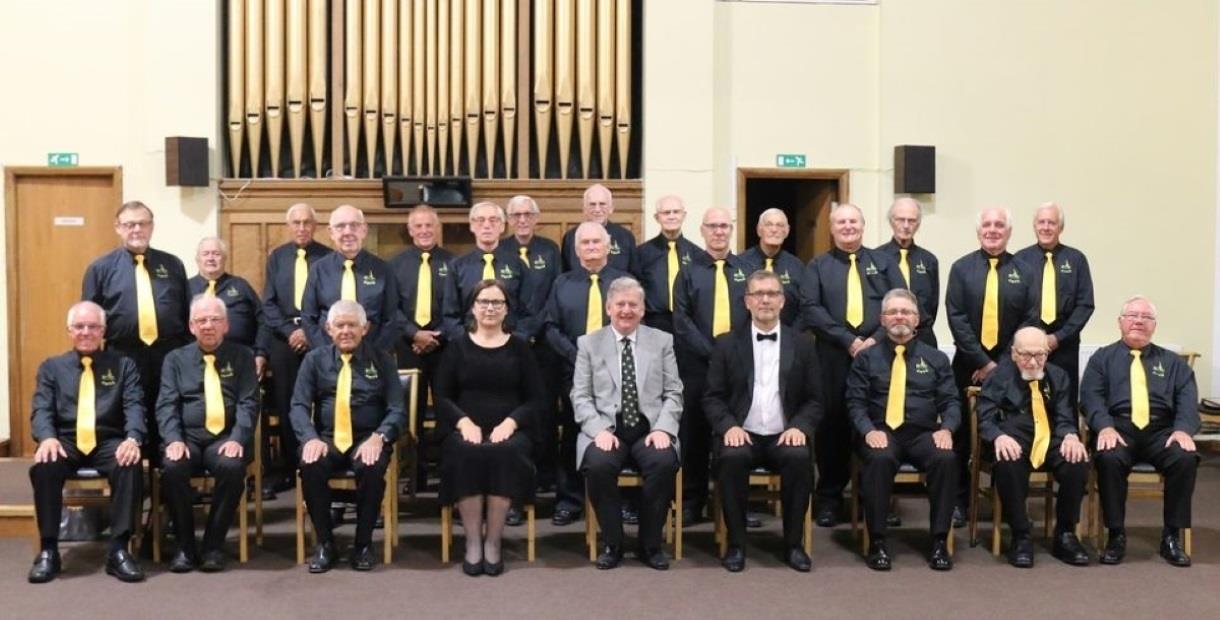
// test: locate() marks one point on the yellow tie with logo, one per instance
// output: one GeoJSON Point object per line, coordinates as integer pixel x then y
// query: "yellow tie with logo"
{"type": "Point", "coordinates": [489, 272]}
{"type": "Point", "coordinates": [343, 405]}
{"type": "Point", "coordinates": [300, 272]}
{"type": "Point", "coordinates": [594, 320]}
{"type": "Point", "coordinates": [423, 291]}
{"type": "Point", "coordinates": [1042, 426]}
{"type": "Point", "coordinates": [86, 409]}
{"type": "Point", "coordinates": [1048, 290]}
{"type": "Point", "coordinates": [211, 292]}
{"type": "Point", "coordinates": [855, 294]}
{"type": "Point", "coordinates": [770, 266]}
{"type": "Point", "coordinates": [347, 288]}
{"type": "Point", "coordinates": [991, 307]}
{"type": "Point", "coordinates": [213, 397]}
{"type": "Point", "coordinates": [671, 264]}
{"type": "Point", "coordinates": [1139, 392]}
{"type": "Point", "coordinates": [721, 319]}
{"type": "Point", "coordinates": [896, 402]}
{"type": "Point", "coordinates": [146, 308]}
{"type": "Point", "coordinates": [524, 253]}
{"type": "Point", "coordinates": [904, 266]}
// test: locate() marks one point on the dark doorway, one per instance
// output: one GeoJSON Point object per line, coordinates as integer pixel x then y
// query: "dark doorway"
{"type": "Point", "coordinates": [805, 196]}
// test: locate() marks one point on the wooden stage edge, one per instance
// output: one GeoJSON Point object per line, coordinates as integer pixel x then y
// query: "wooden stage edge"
{"type": "Point", "coordinates": [16, 501]}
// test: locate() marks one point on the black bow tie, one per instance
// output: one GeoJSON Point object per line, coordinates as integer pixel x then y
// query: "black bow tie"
{"type": "Point", "coordinates": [773, 337]}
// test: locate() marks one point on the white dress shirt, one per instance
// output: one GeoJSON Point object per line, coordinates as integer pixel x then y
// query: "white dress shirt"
{"type": "Point", "coordinates": [766, 416]}
{"type": "Point", "coordinates": [635, 351]}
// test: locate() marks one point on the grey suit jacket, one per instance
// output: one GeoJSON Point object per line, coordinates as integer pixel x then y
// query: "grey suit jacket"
{"type": "Point", "coordinates": [597, 384]}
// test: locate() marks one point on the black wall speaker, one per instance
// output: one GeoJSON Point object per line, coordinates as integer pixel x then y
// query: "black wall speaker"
{"type": "Point", "coordinates": [914, 169]}
{"type": "Point", "coordinates": [186, 161]}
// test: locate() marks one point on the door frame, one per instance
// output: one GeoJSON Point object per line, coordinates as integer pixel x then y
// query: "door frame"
{"type": "Point", "coordinates": [840, 175]}
{"type": "Point", "coordinates": [19, 420]}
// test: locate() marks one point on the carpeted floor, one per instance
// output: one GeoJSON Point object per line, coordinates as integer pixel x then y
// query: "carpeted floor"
{"type": "Point", "coordinates": [562, 583]}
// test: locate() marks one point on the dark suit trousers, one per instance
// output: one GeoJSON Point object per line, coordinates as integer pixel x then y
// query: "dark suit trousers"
{"type": "Point", "coordinates": [962, 371]}
{"type": "Point", "coordinates": [284, 364]}
{"type": "Point", "coordinates": [695, 432]}
{"type": "Point", "coordinates": [126, 487]}
{"type": "Point", "coordinates": [911, 445]}
{"type": "Point", "coordinates": [1067, 357]}
{"type": "Point", "coordinates": [230, 475]}
{"type": "Point", "coordinates": [546, 433]}
{"type": "Point", "coordinates": [733, 465]}
{"type": "Point", "coordinates": [601, 469]}
{"type": "Point", "coordinates": [1147, 445]}
{"type": "Point", "coordinates": [370, 489]}
{"type": "Point", "coordinates": [1012, 482]}
{"type": "Point", "coordinates": [569, 484]}
{"type": "Point", "coordinates": [832, 441]}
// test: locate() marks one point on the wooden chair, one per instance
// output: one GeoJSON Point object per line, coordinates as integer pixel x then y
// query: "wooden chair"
{"type": "Point", "coordinates": [346, 480]}
{"type": "Point", "coordinates": [630, 478]}
{"type": "Point", "coordinates": [764, 484]}
{"type": "Point", "coordinates": [447, 532]}
{"type": "Point", "coordinates": [907, 474]}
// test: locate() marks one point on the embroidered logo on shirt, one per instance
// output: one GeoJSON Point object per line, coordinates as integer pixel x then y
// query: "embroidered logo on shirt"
{"type": "Point", "coordinates": [1014, 277]}
{"type": "Point", "coordinates": [738, 276]}
{"type": "Point", "coordinates": [1066, 267]}
{"type": "Point", "coordinates": [370, 373]}
{"type": "Point", "coordinates": [920, 268]}
{"type": "Point", "coordinates": [922, 367]}
{"type": "Point", "coordinates": [539, 262]}
{"type": "Point", "coordinates": [370, 279]}
{"type": "Point", "coordinates": [614, 249]}
{"type": "Point", "coordinates": [506, 273]}
{"type": "Point", "coordinates": [871, 270]}
{"type": "Point", "coordinates": [161, 271]}
{"type": "Point", "coordinates": [443, 270]}
{"type": "Point", "coordinates": [227, 371]}
{"type": "Point", "coordinates": [232, 292]}
{"type": "Point", "coordinates": [686, 258]}
{"type": "Point", "coordinates": [784, 278]}
{"type": "Point", "coordinates": [107, 378]}
{"type": "Point", "coordinates": [1159, 370]}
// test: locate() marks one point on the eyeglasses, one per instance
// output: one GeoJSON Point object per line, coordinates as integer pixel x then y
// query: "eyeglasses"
{"type": "Point", "coordinates": [899, 312]}
{"type": "Point", "coordinates": [493, 304]}
{"type": "Point", "coordinates": [718, 226]}
{"type": "Point", "coordinates": [528, 215]}
{"type": "Point", "coordinates": [134, 225]}
{"type": "Point", "coordinates": [347, 225]}
{"type": "Point", "coordinates": [1026, 356]}
{"type": "Point", "coordinates": [207, 320]}
{"type": "Point", "coordinates": [1132, 316]}
{"type": "Point", "coordinates": [766, 294]}
{"type": "Point", "coordinates": [86, 327]}
{"type": "Point", "coordinates": [486, 220]}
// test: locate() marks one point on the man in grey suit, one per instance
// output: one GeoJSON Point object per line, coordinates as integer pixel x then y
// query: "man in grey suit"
{"type": "Point", "coordinates": [627, 401]}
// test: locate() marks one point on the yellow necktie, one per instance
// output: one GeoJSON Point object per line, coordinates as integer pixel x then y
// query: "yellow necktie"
{"type": "Point", "coordinates": [347, 289]}
{"type": "Point", "coordinates": [146, 308]}
{"type": "Point", "coordinates": [672, 266]}
{"type": "Point", "coordinates": [1042, 426]}
{"type": "Point", "coordinates": [896, 402]}
{"type": "Point", "coordinates": [1048, 290]}
{"type": "Point", "coordinates": [213, 397]}
{"type": "Point", "coordinates": [343, 405]}
{"type": "Point", "coordinates": [904, 266]}
{"type": "Point", "coordinates": [721, 319]}
{"type": "Point", "coordinates": [770, 266]}
{"type": "Point", "coordinates": [991, 307]}
{"type": "Point", "coordinates": [524, 253]}
{"type": "Point", "coordinates": [855, 294]}
{"type": "Point", "coordinates": [423, 291]}
{"type": "Point", "coordinates": [86, 409]}
{"type": "Point", "coordinates": [489, 272]}
{"type": "Point", "coordinates": [594, 320]}
{"type": "Point", "coordinates": [211, 292]}
{"type": "Point", "coordinates": [1139, 392]}
{"type": "Point", "coordinates": [300, 272]}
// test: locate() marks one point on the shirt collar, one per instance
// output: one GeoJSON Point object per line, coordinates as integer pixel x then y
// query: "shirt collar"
{"type": "Point", "coordinates": [754, 331]}
{"type": "Point", "coordinates": [633, 337]}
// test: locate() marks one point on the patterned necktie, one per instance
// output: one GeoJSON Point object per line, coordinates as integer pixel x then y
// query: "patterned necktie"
{"type": "Point", "coordinates": [1048, 290]}
{"type": "Point", "coordinates": [489, 272]}
{"type": "Point", "coordinates": [671, 264]}
{"type": "Point", "coordinates": [300, 271]}
{"type": "Point", "coordinates": [1139, 391]}
{"type": "Point", "coordinates": [347, 289]}
{"type": "Point", "coordinates": [721, 320]}
{"type": "Point", "coordinates": [855, 294]}
{"type": "Point", "coordinates": [631, 398]}
{"type": "Point", "coordinates": [990, 335]}
{"type": "Point", "coordinates": [904, 266]}
{"type": "Point", "coordinates": [423, 291]}
{"type": "Point", "coordinates": [213, 397]}
{"type": "Point", "coordinates": [1042, 426]}
{"type": "Point", "coordinates": [343, 405]}
{"type": "Point", "coordinates": [896, 402]}
{"type": "Point", "coordinates": [211, 292]}
{"type": "Point", "coordinates": [524, 253]}
{"type": "Point", "coordinates": [593, 320]}
{"type": "Point", "coordinates": [86, 409]}
{"type": "Point", "coordinates": [146, 307]}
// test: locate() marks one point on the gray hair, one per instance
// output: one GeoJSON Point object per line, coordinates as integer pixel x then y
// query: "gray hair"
{"type": "Point", "coordinates": [224, 247]}
{"type": "Point", "coordinates": [901, 293]}
{"type": "Point", "coordinates": [889, 213]}
{"type": "Point", "coordinates": [761, 274]}
{"type": "Point", "coordinates": [625, 284]}
{"type": "Point", "coordinates": [836, 207]}
{"type": "Point", "coordinates": [1134, 298]}
{"type": "Point", "coordinates": [522, 198]}
{"type": "Point", "coordinates": [772, 211]}
{"type": "Point", "coordinates": [609, 195]}
{"type": "Point", "coordinates": [300, 205]}
{"type": "Point", "coordinates": [85, 305]}
{"type": "Point", "coordinates": [348, 307]}
{"type": "Point", "coordinates": [204, 299]}
{"type": "Point", "coordinates": [422, 210]}
{"type": "Point", "coordinates": [1051, 204]}
{"type": "Point", "coordinates": [602, 232]}
{"type": "Point", "coordinates": [487, 203]}
{"type": "Point", "coordinates": [978, 219]}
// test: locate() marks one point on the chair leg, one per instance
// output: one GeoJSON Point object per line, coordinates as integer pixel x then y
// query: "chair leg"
{"type": "Point", "coordinates": [590, 527]}
{"type": "Point", "coordinates": [951, 544]}
{"type": "Point", "coordinates": [446, 532]}
{"type": "Point", "coordinates": [1186, 536]}
{"type": "Point", "coordinates": [155, 509]}
{"type": "Point", "coordinates": [530, 533]}
{"type": "Point", "coordinates": [300, 508]}
{"type": "Point", "coordinates": [258, 505]}
{"type": "Point", "coordinates": [1048, 510]}
{"type": "Point", "coordinates": [387, 511]}
{"type": "Point", "coordinates": [243, 525]}
{"type": "Point", "coordinates": [996, 526]}
{"type": "Point", "coordinates": [678, 515]}
{"type": "Point", "coordinates": [977, 492]}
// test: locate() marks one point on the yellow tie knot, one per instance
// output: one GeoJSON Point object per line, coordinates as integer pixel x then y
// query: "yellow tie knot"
{"type": "Point", "coordinates": [346, 357]}
{"type": "Point", "coordinates": [900, 349]}
{"type": "Point", "coordinates": [424, 256]}
{"type": "Point", "coordinates": [524, 252]}
{"type": "Point", "coordinates": [593, 277]}
{"type": "Point", "coordinates": [1135, 353]}
{"type": "Point", "coordinates": [140, 259]}
{"type": "Point", "coordinates": [347, 264]}
{"type": "Point", "coordinates": [209, 359]}
{"type": "Point", "coordinates": [86, 361]}
{"type": "Point", "coordinates": [489, 272]}
{"type": "Point", "coordinates": [1050, 256]}
{"type": "Point", "coordinates": [993, 262]}
{"type": "Point", "coordinates": [211, 288]}
{"type": "Point", "coordinates": [673, 245]}
{"type": "Point", "coordinates": [300, 253]}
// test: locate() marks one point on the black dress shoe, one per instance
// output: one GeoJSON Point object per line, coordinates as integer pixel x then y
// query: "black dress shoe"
{"type": "Point", "coordinates": [323, 558]}
{"type": "Point", "coordinates": [893, 520]}
{"type": "Point", "coordinates": [124, 566]}
{"type": "Point", "coordinates": [753, 521]}
{"type": "Point", "coordinates": [940, 559]}
{"type": "Point", "coordinates": [472, 569]}
{"type": "Point", "coordinates": [269, 492]}
{"type": "Point", "coordinates": [493, 569]}
{"type": "Point", "coordinates": [610, 557]}
{"type": "Point", "coordinates": [630, 515]}
{"type": "Point", "coordinates": [183, 562]}
{"type": "Point", "coordinates": [1116, 549]}
{"type": "Point", "coordinates": [734, 560]}
{"type": "Point", "coordinates": [1172, 551]}
{"type": "Point", "coordinates": [362, 558]}
{"type": "Point", "coordinates": [513, 518]}
{"type": "Point", "coordinates": [828, 514]}
{"type": "Point", "coordinates": [878, 556]}
{"type": "Point", "coordinates": [564, 517]}
{"type": "Point", "coordinates": [1021, 552]}
{"type": "Point", "coordinates": [798, 560]}
{"type": "Point", "coordinates": [1068, 549]}
{"type": "Point", "coordinates": [653, 558]}
{"type": "Point", "coordinates": [213, 561]}
{"type": "Point", "coordinates": [46, 566]}
{"type": "Point", "coordinates": [959, 517]}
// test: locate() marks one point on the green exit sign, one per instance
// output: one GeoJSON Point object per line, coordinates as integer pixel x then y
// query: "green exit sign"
{"type": "Point", "coordinates": [62, 159]}
{"type": "Point", "coordinates": [790, 160]}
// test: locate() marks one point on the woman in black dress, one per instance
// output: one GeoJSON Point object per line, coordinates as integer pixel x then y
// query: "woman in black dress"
{"type": "Point", "coordinates": [487, 391]}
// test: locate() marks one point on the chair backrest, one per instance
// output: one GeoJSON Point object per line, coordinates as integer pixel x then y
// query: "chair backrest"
{"type": "Point", "coordinates": [1190, 357]}
{"type": "Point", "coordinates": [972, 396]}
{"type": "Point", "coordinates": [409, 378]}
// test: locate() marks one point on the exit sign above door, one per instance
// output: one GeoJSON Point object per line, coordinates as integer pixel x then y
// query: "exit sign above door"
{"type": "Point", "coordinates": [790, 160]}
{"type": "Point", "coordinates": [62, 159]}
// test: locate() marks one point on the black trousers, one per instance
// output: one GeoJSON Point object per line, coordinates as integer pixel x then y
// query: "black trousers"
{"type": "Point", "coordinates": [832, 441]}
{"type": "Point", "coordinates": [126, 487]}
{"type": "Point", "coordinates": [1012, 483]}
{"type": "Point", "coordinates": [370, 489]}
{"type": "Point", "coordinates": [911, 445]}
{"type": "Point", "coordinates": [148, 360]}
{"type": "Point", "coordinates": [695, 433]}
{"type": "Point", "coordinates": [733, 466]}
{"type": "Point", "coordinates": [546, 432]}
{"type": "Point", "coordinates": [962, 372]}
{"type": "Point", "coordinates": [1147, 445]}
{"type": "Point", "coordinates": [658, 467]}
{"type": "Point", "coordinates": [230, 474]}
{"type": "Point", "coordinates": [1067, 357]}
{"type": "Point", "coordinates": [284, 364]}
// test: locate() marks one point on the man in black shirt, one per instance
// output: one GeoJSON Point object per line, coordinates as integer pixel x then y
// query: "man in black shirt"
{"type": "Point", "coordinates": [242, 305]}
{"type": "Point", "coordinates": [660, 259]}
{"type": "Point", "coordinates": [1142, 406]}
{"type": "Point", "coordinates": [87, 412]}
{"type": "Point", "coordinates": [347, 410]}
{"type": "Point", "coordinates": [770, 255]}
{"type": "Point", "coordinates": [919, 268]}
{"type": "Point", "coordinates": [598, 205]}
{"type": "Point", "coordinates": [206, 410]}
{"type": "Point", "coordinates": [903, 403]}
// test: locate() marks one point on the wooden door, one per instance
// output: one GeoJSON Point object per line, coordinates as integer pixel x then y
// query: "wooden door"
{"type": "Point", "coordinates": [58, 221]}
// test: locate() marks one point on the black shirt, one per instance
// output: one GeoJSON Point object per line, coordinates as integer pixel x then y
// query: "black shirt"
{"type": "Point", "coordinates": [467, 272]}
{"type": "Point", "coordinates": [964, 305]}
{"type": "Point", "coordinates": [1073, 290]}
{"type": "Point", "coordinates": [621, 251]}
{"type": "Point", "coordinates": [242, 307]}
{"type": "Point", "coordinates": [279, 289]}
{"type": "Point", "coordinates": [652, 264]}
{"type": "Point", "coordinates": [110, 282]}
{"type": "Point", "coordinates": [1004, 403]}
{"type": "Point", "coordinates": [377, 395]}
{"type": "Point", "coordinates": [376, 291]}
{"type": "Point", "coordinates": [406, 269]}
{"type": "Point", "coordinates": [1105, 388]}
{"type": "Point", "coordinates": [182, 406]}
{"type": "Point", "coordinates": [789, 269]}
{"type": "Point", "coordinates": [567, 309]}
{"type": "Point", "coordinates": [824, 294]}
{"type": "Point", "coordinates": [695, 299]}
{"type": "Point", "coordinates": [931, 400]}
{"type": "Point", "coordinates": [925, 283]}
{"type": "Point", "coordinates": [545, 262]}
{"type": "Point", "coordinates": [118, 398]}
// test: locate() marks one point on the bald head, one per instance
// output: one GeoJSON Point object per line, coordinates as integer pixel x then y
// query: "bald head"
{"type": "Point", "coordinates": [717, 230]}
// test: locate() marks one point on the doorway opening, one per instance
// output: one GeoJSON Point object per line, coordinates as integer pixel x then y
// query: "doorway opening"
{"type": "Point", "coordinates": [805, 196]}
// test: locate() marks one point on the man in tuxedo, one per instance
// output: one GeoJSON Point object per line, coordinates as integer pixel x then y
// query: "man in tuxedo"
{"type": "Point", "coordinates": [627, 400]}
{"type": "Point", "coordinates": [763, 401]}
